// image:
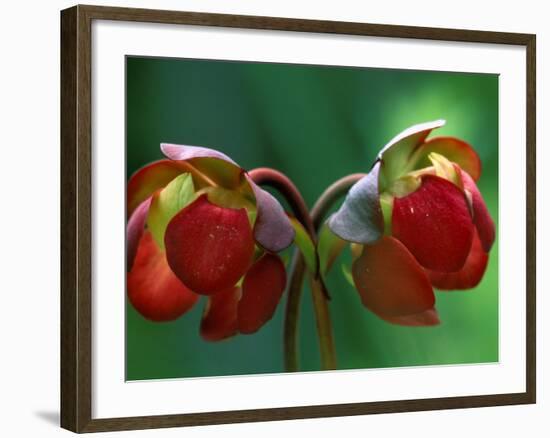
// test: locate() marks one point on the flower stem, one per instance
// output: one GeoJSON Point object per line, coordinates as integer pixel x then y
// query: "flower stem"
{"type": "Point", "coordinates": [283, 184]}
{"type": "Point", "coordinates": [319, 294]}
{"type": "Point", "coordinates": [324, 323]}
{"type": "Point", "coordinates": [280, 182]}
{"type": "Point", "coordinates": [292, 313]}
{"type": "Point", "coordinates": [333, 192]}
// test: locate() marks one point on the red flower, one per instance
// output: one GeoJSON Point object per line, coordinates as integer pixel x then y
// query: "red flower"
{"type": "Point", "coordinates": [417, 220]}
{"type": "Point", "coordinates": [199, 226]}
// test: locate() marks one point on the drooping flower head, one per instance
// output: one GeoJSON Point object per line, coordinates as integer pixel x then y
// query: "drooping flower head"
{"type": "Point", "coordinates": [198, 225]}
{"type": "Point", "coordinates": [416, 220]}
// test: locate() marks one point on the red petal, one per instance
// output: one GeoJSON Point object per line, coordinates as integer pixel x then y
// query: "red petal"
{"type": "Point", "coordinates": [219, 319]}
{"type": "Point", "coordinates": [147, 180]}
{"type": "Point", "coordinates": [390, 281]}
{"type": "Point", "coordinates": [209, 247]}
{"type": "Point", "coordinates": [435, 224]}
{"type": "Point", "coordinates": [134, 231]}
{"type": "Point", "coordinates": [454, 150]}
{"type": "Point", "coordinates": [482, 219]}
{"type": "Point", "coordinates": [152, 287]}
{"type": "Point", "coordinates": [469, 276]}
{"type": "Point", "coordinates": [427, 318]}
{"type": "Point", "coordinates": [263, 287]}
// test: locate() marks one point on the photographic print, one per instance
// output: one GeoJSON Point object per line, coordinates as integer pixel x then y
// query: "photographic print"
{"type": "Point", "coordinates": [286, 217]}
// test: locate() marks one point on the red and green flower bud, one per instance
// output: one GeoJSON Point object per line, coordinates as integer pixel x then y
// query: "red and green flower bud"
{"type": "Point", "coordinates": [198, 225]}
{"type": "Point", "coordinates": [422, 222]}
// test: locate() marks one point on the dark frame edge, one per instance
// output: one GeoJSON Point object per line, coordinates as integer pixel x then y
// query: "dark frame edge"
{"type": "Point", "coordinates": [531, 217]}
{"type": "Point", "coordinates": [76, 226]}
{"type": "Point", "coordinates": [305, 412]}
{"type": "Point", "coordinates": [69, 328]}
{"type": "Point", "coordinates": [75, 348]}
{"type": "Point", "coordinates": [302, 25]}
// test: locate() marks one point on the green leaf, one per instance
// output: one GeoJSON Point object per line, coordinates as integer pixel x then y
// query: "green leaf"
{"type": "Point", "coordinates": [329, 247]}
{"type": "Point", "coordinates": [230, 199]}
{"type": "Point", "coordinates": [347, 274]}
{"type": "Point", "coordinates": [404, 186]}
{"type": "Point", "coordinates": [166, 203]}
{"type": "Point", "coordinates": [386, 203]}
{"type": "Point", "coordinates": [285, 257]}
{"type": "Point", "coordinates": [397, 153]}
{"type": "Point", "coordinates": [305, 245]}
{"type": "Point", "coordinates": [445, 169]}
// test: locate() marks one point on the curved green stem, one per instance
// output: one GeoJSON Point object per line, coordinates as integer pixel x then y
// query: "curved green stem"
{"type": "Point", "coordinates": [324, 324]}
{"type": "Point", "coordinates": [333, 192]}
{"type": "Point", "coordinates": [319, 294]}
{"type": "Point", "coordinates": [292, 312]}
{"type": "Point", "coordinates": [312, 223]}
{"type": "Point", "coordinates": [280, 182]}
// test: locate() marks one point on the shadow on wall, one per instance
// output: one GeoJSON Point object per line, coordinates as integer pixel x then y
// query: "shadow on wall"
{"type": "Point", "coordinates": [51, 417]}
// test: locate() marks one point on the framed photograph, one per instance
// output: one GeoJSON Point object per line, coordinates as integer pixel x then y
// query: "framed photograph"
{"type": "Point", "coordinates": [269, 218]}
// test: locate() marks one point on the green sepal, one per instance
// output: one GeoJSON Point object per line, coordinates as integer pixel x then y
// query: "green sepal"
{"type": "Point", "coordinates": [167, 202]}
{"type": "Point", "coordinates": [445, 169]}
{"type": "Point", "coordinates": [396, 155]}
{"type": "Point", "coordinates": [305, 245]}
{"type": "Point", "coordinates": [405, 185]}
{"type": "Point", "coordinates": [329, 248]}
{"type": "Point", "coordinates": [386, 203]}
{"type": "Point", "coordinates": [347, 274]}
{"type": "Point", "coordinates": [231, 199]}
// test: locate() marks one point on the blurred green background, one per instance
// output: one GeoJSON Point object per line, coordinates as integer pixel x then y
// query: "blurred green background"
{"type": "Point", "coordinates": [315, 124]}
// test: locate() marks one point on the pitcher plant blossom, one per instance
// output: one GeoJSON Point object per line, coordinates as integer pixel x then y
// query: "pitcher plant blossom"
{"type": "Point", "coordinates": [198, 225]}
{"type": "Point", "coordinates": [416, 221]}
